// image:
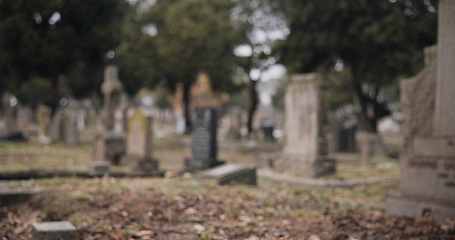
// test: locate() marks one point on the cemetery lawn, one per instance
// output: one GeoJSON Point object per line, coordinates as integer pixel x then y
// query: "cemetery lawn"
{"type": "Point", "coordinates": [186, 207]}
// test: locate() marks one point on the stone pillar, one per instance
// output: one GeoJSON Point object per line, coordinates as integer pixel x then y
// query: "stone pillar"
{"type": "Point", "coordinates": [44, 121]}
{"type": "Point", "coordinates": [444, 119]}
{"type": "Point", "coordinates": [306, 147]}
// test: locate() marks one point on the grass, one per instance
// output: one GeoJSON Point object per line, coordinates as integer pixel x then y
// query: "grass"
{"type": "Point", "coordinates": [171, 153]}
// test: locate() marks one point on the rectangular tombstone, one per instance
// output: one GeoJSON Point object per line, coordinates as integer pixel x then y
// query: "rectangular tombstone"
{"type": "Point", "coordinates": [139, 135]}
{"type": "Point", "coordinates": [232, 174]}
{"type": "Point", "coordinates": [44, 121]}
{"type": "Point", "coordinates": [305, 140]}
{"type": "Point", "coordinates": [204, 146]}
{"type": "Point", "coordinates": [139, 143]}
{"type": "Point", "coordinates": [70, 130]}
{"type": "Point", "coordinates": [54, 231]}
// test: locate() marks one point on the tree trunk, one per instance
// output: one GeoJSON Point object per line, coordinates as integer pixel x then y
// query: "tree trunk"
{"type": "Point", "coordinates": [253, 106]}
{"type": "Point", "coordinates": [370, 109]}
{"type": "Point", "coordinates": [186, 107]}
{"type": "Point", "coordinates": [54, 104]}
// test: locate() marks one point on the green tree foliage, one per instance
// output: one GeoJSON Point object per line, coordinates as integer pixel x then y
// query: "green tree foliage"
{"type": "Point", "coordinates": [377, 41]}
{"type": "Point", "coordinates": [43, 42]}
{"type": "Point", "coordinates": [259, 19]}
{"type": "Point", "coordinates": [176, 39]}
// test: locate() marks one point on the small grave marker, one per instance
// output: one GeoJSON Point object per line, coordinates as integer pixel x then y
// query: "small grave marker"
{"type": "Point", "coordinates": [232, 174]}
{"type": "Point", "coordinates": [62, 230]}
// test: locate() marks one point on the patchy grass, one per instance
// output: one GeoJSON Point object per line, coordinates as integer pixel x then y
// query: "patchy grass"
{"type": "Point", "coordinates": [186, 207]}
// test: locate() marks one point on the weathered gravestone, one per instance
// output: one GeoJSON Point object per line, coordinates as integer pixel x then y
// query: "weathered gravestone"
{"type": "Point", "coordinates": [204, 120]}
{"type": "Point", "coordinates": [44, 121]}
{"type": "Point", "coordinates": [109, 145]}
{"type": "Point", "coordinates": [64, 123]}
{"type": "Point", "coordinates": [232, 174]}
{"type": "Point", "coordinates": [306, 149]}
{"type": "Point", "coordinates": [10, 105]}
{"type": "Point", "coordinates": [61, 230]}
{"type": "Point", "coordinates": [139, 144]}
{"type": "Point", "coordinates": [70, 129]}
{"type": "Point", "coordinates": [428, 159]}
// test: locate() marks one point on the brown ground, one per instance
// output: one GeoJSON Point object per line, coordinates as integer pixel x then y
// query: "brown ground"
{"type": "Point", "coordinates": [186, 207]}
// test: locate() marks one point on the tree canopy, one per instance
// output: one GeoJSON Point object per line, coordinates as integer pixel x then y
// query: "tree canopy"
{"type": "Point", "coordinates": [45, 42]}
{"type": "Point", "coordinates": [173, 41]}
{"type": "Point", "coordinates": [374, 41]}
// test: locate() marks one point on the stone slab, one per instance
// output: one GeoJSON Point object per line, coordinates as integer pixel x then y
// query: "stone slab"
{"type": "Point", "coordinates": [232, 174]}
{"type": "Point", "coordinates": [61, 230]}
{"type": "Point", "coordinates": [400, 205]}
{"type": "Point", "coordinates": [432, 178]}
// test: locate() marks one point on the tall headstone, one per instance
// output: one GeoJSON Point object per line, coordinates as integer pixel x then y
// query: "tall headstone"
{"type": "Point", "coordinates": [306, 146]}
{"type": "Point", "coordinates": [178, 110]}
{"type": "Point", "coordinates": [70, 129]}
{"type": "Point", "coordinates": [109, 145]}
{"type": "Point", "coordinates": [44, 121]}
{"type": "Point", "coordinates": [139, 143]}
{"type": "Point", "coordinates": [428, 160]}
{"type": "Point", "coordinates": [10, 105]}
{"type": "Point", "coordinates": [204, 120]}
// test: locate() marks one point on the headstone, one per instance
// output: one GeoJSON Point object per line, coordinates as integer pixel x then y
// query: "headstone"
{"type": "Point", "coordinates": [368, 143]}
{"type": "Point", "coordinates": [305, 124]}
{"type": "Point", "coordinates": [56, 127]}
{"type": "Point", "coordinates": [232, 174]}
{"type": "Point", "coordinates": [10, 105]}
{"type": "Point", "coordinates": [204, 120]}
{"type": "Point", "coordinates": [178, 110]}
{"type": "Point", "coordinates": [44, 121]}
{"type": "Point", "coordinates": [70, 129]}
{"type": "Point", "coordinates": [235, 123]}
{"type": "Point", "coordinates": [61, 230]}
{"type": "Point", "coordinates": [204, 146]}
{"type": "Point", "coordinates": [139, 143]}
{"type": "Point", "coordinates": [427, 184]}
{"type": "Point", "coordinates": [109, 145]}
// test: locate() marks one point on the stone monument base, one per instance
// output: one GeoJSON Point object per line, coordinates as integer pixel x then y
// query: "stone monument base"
{"type": "Point", "coordinates": [295, 164]}
{"type": "Point", "coordinates": [99, 168]}
{"type": "Point", "coordinates": [401, 205]}
{"type": "Point", "coordinates": [140, 165]}
{"type": "Point", "coordinates": [110, 146]}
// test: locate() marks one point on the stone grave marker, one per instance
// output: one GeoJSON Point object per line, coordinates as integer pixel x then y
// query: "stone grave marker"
{"type": "Point", "coordinates": [306, 146]}
{"type": "Point", "coordinates": [232, 174]}
{"type": "Point", "coordinates": [109, 145]}
{"type": "Point", "coordinates": [427, 186]}
{"type": "Point", "coordinates": [60, 230]}
{"type": "Point", "coordinates": [10, 108]}
{"type": "Point", "coordinates": [44, 121]}
{"type": "Point", "coordinates": [70, 129]}
{"type": "Point", "coordinates": [204, 119]}
{"type": "Point", "coordinates": [139, 143]}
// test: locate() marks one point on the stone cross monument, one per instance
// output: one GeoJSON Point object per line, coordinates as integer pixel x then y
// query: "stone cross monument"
{"type": "Point", "coordinates": [109, 145]}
